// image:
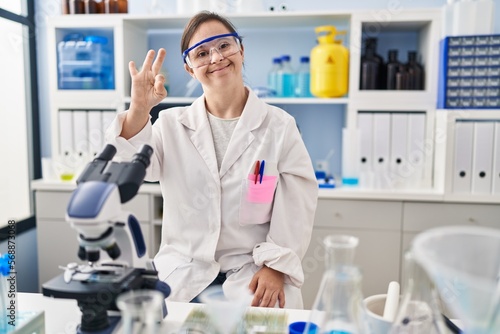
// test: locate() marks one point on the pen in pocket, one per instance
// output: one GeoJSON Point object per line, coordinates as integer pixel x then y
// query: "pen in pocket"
{"type": "Point", "coordinates": [261, 171]}
{"type": "Point", "coordinates": [256, 171]}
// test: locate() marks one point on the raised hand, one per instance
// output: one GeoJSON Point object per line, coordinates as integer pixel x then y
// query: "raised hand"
{"type": "Point", "coordinates": [147, 91]}
{"type": "Point", "coordinates": [147, 84]}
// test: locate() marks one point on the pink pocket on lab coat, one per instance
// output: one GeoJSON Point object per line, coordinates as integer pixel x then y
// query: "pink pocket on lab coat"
{"type": "Point", "coordinates": [261, 192]}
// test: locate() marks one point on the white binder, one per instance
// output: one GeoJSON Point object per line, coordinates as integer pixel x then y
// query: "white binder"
{"type": "Point", "coordinates": [482, 161]}
{"type": "Point", "coordinates": [107, 118]}
{"type": "Point", "coordinates": [495, 176]}
{"type": "Point", "coordinates": [398, 158]}
{"type": "Point", "coordinates": [80, 133]}
{"type": "Point", "coordinates": [462, 152]}
{"type": "Point", "coordinates": [365, 126]}
{"type": "Point", "coordinates": [416, 153]}
{"type": "Point", "coordinates": [381, 148]}
{"type": "Point", "coordinates": [65, 132]}
{"type": "Point", "coordinates": [96, 135]}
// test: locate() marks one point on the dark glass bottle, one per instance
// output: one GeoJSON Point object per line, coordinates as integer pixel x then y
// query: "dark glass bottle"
{"type": "Point", "coordinates": [77, 7]}
{"type": "Point", "coordinates": [115, 6]}
{"type": "Point", "coordinates": [122, 6]}
{"type": "Point", "coordinates": [371, 66]}
{"type": "Point", "coordinates": [110, 6]}
{"type": "Point", "coordinates": [65, 7]}
{"type": "Point", "coordinates": [393, 67]}
{"type": "Point", "coordinates": [415, 72]}
{"type": "Point", "coordinates": [402, 79]}
{"type": "Point", "coordinates": [94, 6]}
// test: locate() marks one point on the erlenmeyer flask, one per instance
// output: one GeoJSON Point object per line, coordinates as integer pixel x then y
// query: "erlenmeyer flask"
{"type": "Point", "coordinates": [419, 311]}
{"type": "Point", "coordinates": [338, 306]}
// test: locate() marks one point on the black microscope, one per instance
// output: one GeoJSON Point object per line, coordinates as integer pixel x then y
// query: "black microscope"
{"type": "Point", "coordinates": [95, 212]}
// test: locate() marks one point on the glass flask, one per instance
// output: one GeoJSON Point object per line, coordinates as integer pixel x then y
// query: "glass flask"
{"type": "Point", "coordinates": [419, 311]}
{"type": "Point", "coordinates": [339, 250]}
{"type": "Point", "coordinates": [338, 308]}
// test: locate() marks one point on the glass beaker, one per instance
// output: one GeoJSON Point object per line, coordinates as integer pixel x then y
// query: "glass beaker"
{"type": "Point", "coordinates": [141, 311]}
{"type": "Point", "coordinates": [420, 310]}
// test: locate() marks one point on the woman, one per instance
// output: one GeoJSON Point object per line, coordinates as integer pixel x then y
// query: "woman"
{"type": "Point", "coordinates": [238, 185]}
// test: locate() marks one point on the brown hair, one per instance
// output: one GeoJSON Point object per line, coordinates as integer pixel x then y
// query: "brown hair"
{"type": "Point", "coordinates": [197, 20]}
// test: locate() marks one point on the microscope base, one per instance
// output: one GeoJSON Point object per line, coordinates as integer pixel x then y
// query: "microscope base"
{"type": "Point", "coordinates": [96, 297]}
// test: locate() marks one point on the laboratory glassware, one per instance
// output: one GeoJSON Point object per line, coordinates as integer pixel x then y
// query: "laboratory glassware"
{"type": "Point", "coordinates": [285, 78]}
{"type": "Point", "coordinates": [226, 312]}
{"type": "Point", "coordinates": [464, 263]}
{"type": "Point", "coordinates": [272, 76]}
{"type": "Point", "coordinates": [415, 72]}
{"type": "Point", "coordinates": [338, 307]}
{"type": "Point", "coordinates": [419, 311]}
{"type": "Point", "coordinates": [303, 78]}
{"type": "Point", "coordinates": [141, 311]}
{"type": "Point", "coordinates": [372, 66]}
{"type": "Point", "coordinates": [393, 67]}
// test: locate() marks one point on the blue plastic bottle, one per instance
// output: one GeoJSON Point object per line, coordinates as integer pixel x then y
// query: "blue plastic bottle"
{"type": "Point", "coordinates": [286, 85]}
{"type": "Point", "coordinates": [303, 78]}
{"type": "Point", "coordinates": [272, 76]}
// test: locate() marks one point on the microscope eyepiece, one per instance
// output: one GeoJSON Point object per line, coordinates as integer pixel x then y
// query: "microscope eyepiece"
{"type": "Point", "coordinates": [107, 153]}
{"type": "Point", "coordinates": [143, 156]}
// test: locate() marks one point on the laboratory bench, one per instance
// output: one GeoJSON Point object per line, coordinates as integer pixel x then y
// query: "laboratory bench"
{"type": "Point", "coordinates": [63, 315]}
{"type": "Point", "coordinates": [384, 221]}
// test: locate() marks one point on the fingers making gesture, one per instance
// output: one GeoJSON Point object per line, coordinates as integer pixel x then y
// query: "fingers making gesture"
{"type": "Point", "coordinates": [147, 91]}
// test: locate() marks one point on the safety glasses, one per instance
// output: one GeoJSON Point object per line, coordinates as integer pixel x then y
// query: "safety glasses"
{"type": "Point", "coordinates": [201, 53]}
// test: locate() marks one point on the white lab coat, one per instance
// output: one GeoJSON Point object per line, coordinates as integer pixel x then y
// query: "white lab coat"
{"type": "Point", "coordinates": [221, 221]}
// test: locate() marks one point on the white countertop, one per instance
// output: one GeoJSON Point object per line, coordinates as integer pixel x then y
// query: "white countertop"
{"type": "Point", "coordinates": [415, 195]}
{"type": "Point", "coordinates": [63, 315]}
{"type": "Point", "coordinates": [336, 193]}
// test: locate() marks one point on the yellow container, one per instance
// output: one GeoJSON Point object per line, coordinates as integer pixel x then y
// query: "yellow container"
{"type": "Point", "coordinates": [329, 64]}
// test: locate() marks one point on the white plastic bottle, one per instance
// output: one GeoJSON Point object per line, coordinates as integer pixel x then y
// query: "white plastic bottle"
{"type": "Point", "coordinates": [272, 76]}
{"type": "Point", "coordinates": [303, 78]}
{"type": "Point", "coordinates": [286, 86]}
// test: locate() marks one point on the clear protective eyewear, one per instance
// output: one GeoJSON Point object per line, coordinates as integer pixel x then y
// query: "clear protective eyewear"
{"type": "Point", "coordinates": [200, 54]}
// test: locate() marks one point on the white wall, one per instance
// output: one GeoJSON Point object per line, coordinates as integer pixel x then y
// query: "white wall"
{"type": "Point", "coordinates": [47, 8]}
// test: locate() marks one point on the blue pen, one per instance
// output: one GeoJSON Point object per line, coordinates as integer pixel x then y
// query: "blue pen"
{"type": "Point", "coordinates": [261, 171]}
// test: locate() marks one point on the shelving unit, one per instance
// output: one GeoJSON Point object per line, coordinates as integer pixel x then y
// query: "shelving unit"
{"type": "Point", "coordinates": [266, 35]}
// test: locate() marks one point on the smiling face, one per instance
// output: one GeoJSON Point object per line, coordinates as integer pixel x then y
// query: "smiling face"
{"type": "Point", "coordinates": [222, 71]}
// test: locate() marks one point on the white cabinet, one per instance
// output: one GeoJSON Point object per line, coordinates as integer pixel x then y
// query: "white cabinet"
{"type": "Point", "coordinates": [377, 224]}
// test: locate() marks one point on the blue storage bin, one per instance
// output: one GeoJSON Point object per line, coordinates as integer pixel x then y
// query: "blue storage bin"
{"type": "Point", "coordinates": [85, 63]}
{"type": "Point", "coordinates": [469, 72]}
